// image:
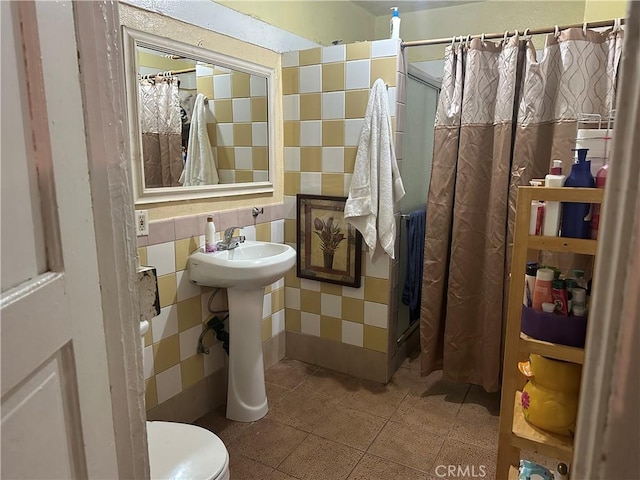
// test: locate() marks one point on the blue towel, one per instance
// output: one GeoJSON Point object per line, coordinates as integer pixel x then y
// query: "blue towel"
{"type": "Point", "coordinates": [415, 260]}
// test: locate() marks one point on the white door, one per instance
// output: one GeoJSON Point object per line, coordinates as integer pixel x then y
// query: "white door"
{"type": "Point", "coordinates": [56, 405]}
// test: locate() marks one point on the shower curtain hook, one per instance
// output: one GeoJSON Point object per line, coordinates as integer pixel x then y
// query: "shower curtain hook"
{"type": "Point", "coordinates": [526, 32]}
{"type": "Point", "coordinates": [482, 38]}
{"type": "Point", "coordinates": [516, 34]}
{"type": "Point", "coordinates": [453, 41]}
{"type": "Point", "coordinates": [584, 29]}
{"type": "Point", "coordinates": [556, 32]}
{"type": "Point", "coordinates": [506, 34]}
{"type": "Point", "coordinates": [467, 40]}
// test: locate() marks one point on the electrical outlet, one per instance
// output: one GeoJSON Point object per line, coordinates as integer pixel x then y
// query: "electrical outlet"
{"type": "Point", "coordinates": [142, 223]}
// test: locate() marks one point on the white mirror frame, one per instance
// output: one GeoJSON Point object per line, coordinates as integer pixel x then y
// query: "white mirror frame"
{"type": "Point", "coordinates": [134, 38]}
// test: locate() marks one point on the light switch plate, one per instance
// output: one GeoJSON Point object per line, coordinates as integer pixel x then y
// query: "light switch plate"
{"type": "Point", "coordinates": [142, 223]}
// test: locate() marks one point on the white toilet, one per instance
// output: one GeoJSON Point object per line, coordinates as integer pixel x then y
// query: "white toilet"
{"type": "Point", "coordinates": [183, 451]}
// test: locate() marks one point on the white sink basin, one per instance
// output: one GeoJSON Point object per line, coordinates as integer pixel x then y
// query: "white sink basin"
{"type": "Point", "coordinates": [251, 264]}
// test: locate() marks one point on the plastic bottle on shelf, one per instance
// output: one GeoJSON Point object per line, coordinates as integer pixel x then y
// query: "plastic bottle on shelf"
{"type": "Point", "coordinates": [537, 213]}
{"type": "Point", "coordinates": [601, 179]}
{"type": "Point", "coordinates": [555, 178]}
{"type": "Point", "coordinates": [576, 217]}
{"type": "Point", "coordinates": [529, 283]}
{"type": "Point", "coordinates": [394, 25]}
{"type": "Point", "coordinates": [542, 290]}
{"type": "Point", "coordinates": [578, 276]}
{"type": "Point", "coordinates": [210, 236]}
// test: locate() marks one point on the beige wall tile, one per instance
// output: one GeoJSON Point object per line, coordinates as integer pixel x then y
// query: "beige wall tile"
{"type": "Point", "coordinates": [290, 80]}
{"type": "Point", "coordinates": [353, 309]}
{"type": "Point", "coordinates": [260, 158]}
{"type": "Point", "coordinates": [291, 183]}
{"type": "Point", "coordinates": [240, 84]}
{"type": "Point", "coordinates": [205, 86]}
{"type": "Point", "coordinates": [310, 159]}
{"type": "Point", "coordinates": [166, 353]}
{"type": "Point", "coordinates": [376, 290]}
{"type": "Point", "coordinates": [291, 134]}
{"type": "Point", "coordinates": [259, 109]}
{"type": "Point", "coordinates": [223, 111]}
{"type": "Point", "coordinates": [226, 158]}
{"type": "Point", "coordinates": [331, 328]}
{"type": "Point", "coordinates": [263, 232]}
{"type": "Point", "coordinates": [167, 289]}
{"type": "Point", "coordinates": [242, 136]}
{"type": "Point", "coordinates": [311, 106]}
{"type": "Point", "coordinates": [244, 176]}
{"type": "Point", "coordinates": [142, 255]}
{"type": "Point", "coordinates": [290, 236]}
{"type": "Point", "coordinates": [333, 184]}
{"type": "Point", "coordinates": [350, 158]}
{"type": "Point", "coordinates": [333, 77]}
{"type": "Point", "coordinates": [310, 301]}
{"type": "Point", "coordinates": [192, 370]}
{"type": "Point", "coordinates": [277, 300]}
{"type": "Point", "coordinates": [291, 278]}
{"type": "Point", "coordinates": [358, 51]}
{"type": "Point", "coordinates": [375, 338]}
{"type": "Point", "coordinates": [384, 68]}
{"type": "Point", "coordinates": [330, 288]}
{"type": "Point", "coordinates": [333, 133]}
{"type": "Point", "coordinates": [356, 103]}
{"type": "Point", "coordinates": [183, 248]}
{"type": "Point", "coordinates": [311, 56]}
{"type": "Point", "coordinates": [267, 325]}
{"type": "Point", "coordinates": [189, 313]}
{"type": "Point", "coordinates": [292, 320]}
{"type": "Point", "coordinates": [150, 393]}
{"type": "Point", "coordinates": [212, 132]}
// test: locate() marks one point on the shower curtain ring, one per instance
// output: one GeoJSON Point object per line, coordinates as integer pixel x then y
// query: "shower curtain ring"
{"type": "Point", "coordinates": [526, 32]}
{"type": "Point", "coordinates": [506, 34]}
{"type": "Point", "coordinates": [516, 34]}
{"type": "Point", "coordinates": [482, 38]}
{"type": "Point", "coordinates": [453, 41]}
{"type": "Point", "coordinates": [584, 29]}
{"type": "Point", "coordinates": [467, 40]}
{"type": "Point", "coordinates": [556, 32]}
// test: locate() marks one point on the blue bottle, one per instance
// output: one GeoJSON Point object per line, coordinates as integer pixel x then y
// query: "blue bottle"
{"type": "Point", "coordinates": [576, 217]}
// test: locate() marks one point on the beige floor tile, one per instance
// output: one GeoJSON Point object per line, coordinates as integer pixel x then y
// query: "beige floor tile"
{"type": "Point", "coordinates": [303, 408]}
{"type": "Point", "coordinates": [278, 475]}
{"type": "Point", "coordinates": [376, 468]}
{"type": "Point", "coordinates": [332, 383]}
{"type": "Point", "coordinates": [320, 459]}
{"type": "Point", "coordinates": [289, 373]}
{"type": "Point", "coordinates": [275, 393]}
{"type": "Point", "coordinates": [412, 362]}
{"type": "Point", "coordinates": [374, 398]}
{"type": "Point", "coordinates": [350, 427]}
{"type": "Point", "coordinates": [471, 462]}
{"type": "Point", "coordinates": [478, 399]}
{"type": "Point", "coordinates": [268, 442]}
{"type": "Point", "coordinates": [243, 468]}
{"type": "Point", "coordinates": [227, 430]}
{"type": "Point", "coordinates": [414, 446]}
{"type": "Point", "coordinates": [475, 426]}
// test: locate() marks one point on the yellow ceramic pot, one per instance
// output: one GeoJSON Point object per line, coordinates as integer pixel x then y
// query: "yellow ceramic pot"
{"type": "Point", "coordinates": [550, 397]}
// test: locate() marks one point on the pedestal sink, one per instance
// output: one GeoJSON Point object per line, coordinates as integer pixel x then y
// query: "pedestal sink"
{"type": "Point", "coordinates": [244, 271]}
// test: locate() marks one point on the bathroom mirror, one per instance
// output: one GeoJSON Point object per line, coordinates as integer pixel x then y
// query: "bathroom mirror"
{"type": "Point", "coordinates": [201, 123]}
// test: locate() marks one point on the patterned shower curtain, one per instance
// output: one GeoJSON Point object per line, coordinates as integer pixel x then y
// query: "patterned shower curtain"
{"type": "Point", "coordinates": [503, 115]}
{"type": "Point", "coordinates": [161, 125]}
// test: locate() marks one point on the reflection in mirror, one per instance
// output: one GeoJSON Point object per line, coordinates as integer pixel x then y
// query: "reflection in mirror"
{"type": "Point", "coordinates": [200, 118]}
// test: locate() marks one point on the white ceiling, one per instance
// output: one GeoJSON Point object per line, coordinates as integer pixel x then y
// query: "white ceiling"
{"type": "Point", "coordinates": [382, 7]}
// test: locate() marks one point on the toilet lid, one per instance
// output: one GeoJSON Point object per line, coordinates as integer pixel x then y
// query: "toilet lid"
{"type": "Point", "coordinates": [183, 451]}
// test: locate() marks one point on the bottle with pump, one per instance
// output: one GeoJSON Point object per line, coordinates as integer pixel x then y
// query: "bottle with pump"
{"type": "Point", "coordinates": [601, 179]}
{"type": "Point", "coordinates": [552, 209]}
{"type": "Point", "coordinates": [394, 27]}
{"type": "Point", "coordinates": [576, 217]}
{"type": "Point", "coordinates": [210, 236]}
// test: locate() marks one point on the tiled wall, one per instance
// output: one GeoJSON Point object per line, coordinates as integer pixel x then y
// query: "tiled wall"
{"type": "Point", "coordinates": [326, 91]}
{"type": "Point", "coordinates": [171, 363]}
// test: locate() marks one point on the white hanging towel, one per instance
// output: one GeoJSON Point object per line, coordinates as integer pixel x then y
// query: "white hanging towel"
{"type": "Point", "coordinates": [200, 167]}
{"type": "Point", "coordinates": [376, 184]}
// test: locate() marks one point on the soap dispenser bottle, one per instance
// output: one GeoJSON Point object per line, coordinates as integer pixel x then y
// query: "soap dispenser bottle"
{"type": "Point", "coordinates": [394, 27]}
{"type": "Point", "coordinates": [576, 217]}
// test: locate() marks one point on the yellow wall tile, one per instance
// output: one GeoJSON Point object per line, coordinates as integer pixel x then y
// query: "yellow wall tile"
{"type": "Point", "coordinates": [331, 328]}
{"type": "Point", "coordinates": [263, 232]}
{"type": "Point", "coordinates": [291, 278]}
{"type": "Point", "coordinates": [384, 68]}
{"type": "Point", "coordinates": [213, 134]}
{"type": "Point", "coordinates": [310, 106]}
{"type": "Point", "coordinates": [240, 84]}
{"type": "Point", "coordinates": [290, 80]}
{"type": "Point", "coordinates": [166, 353]}
{"type": "Point", "coordinates": [291, 235]}
{"type": "Point", "coordinates": [259, 109]}
{"type": "Point", "coordinates": [244, 176]}
{"type": "Point", "coordinates": [184, 247]}
{"type": "Point", "coordinates": [330, 288]}
{"type": "Point", "coordinates": [376, 290]}
{"type": "Point", "coordinates": [353, 309]}
{"type": "Point", "coordinates": [358, 51]}
{"type": "Point", "coordinates": [291, 183]}
{"type": "Point", "coordinates": [205, 86]}
{"type": "Point", "coordinates": [311, 56]}
{"type": "Point", "coordinates": [267, 289]}
{"type": "Point", "coordinates": [333, 133]}
{"type": "Point", "coordinates": [223, 111]}
{"type": "Point", "coordinates": [260, 158]}
{"type": "Point", "coordinates": [333, 77]}
{"type": "Point", "coordinates": [310, 159]}
{"type": "Point", "coordinates": [292, 320]}
{"type": "Point", "coordinates": [150, 393]}
{"type": "Point", "coordinates": [333, 184]}
{"type": "Point", "coordinates": [355, 103]}
{"type": "Point", "coordinates": [226, 158]}
{"type": "Point", "coordinates": [189, 313]}
{"type": "Point", "coordinates": [291, 134]}
{"type": "Point", "coordinates": [142, 255]}
{"type": "Point", "coordinates": [267, 324]}
{"type": "Point", "coordinates": [350, 158]}
{"type": "Point", "coordinates": [242, 136]}
{"type": "Point", "coordinates": [277, 300]}
{"type": "Point", "coordinates": [375, 338]}
{"type": "Point", "coordinates": [310, 301]}
{"type": "Point", "coordinates": [192, 370]}
{"type": "Point", "coordinates": [167, 289]}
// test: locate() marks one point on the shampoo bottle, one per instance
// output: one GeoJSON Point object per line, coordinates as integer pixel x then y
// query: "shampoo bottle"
{"type": "Point", "coordinates": [394, 26]}
{"type": "Point", "coordinates": [210, 236]}
{"type": "Point", "coordinates": [576, 217]}
{"type": "Point", "coordinates": [552, 209]}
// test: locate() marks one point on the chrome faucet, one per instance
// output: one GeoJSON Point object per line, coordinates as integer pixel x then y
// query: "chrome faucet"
{"type": "Point", "coordinates": [229, 242]}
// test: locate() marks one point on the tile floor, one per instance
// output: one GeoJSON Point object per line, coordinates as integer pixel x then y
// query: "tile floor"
{"type": "Point", "coordinates": [326, 425]}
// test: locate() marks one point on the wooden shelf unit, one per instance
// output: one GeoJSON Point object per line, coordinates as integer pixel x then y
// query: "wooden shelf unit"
{"type": "Point", "coordinates": [514, 431]}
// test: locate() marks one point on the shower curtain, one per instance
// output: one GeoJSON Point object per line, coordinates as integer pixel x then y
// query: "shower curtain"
{"type": "Point", "coordinates": [161, 125]}
{"type": "Point", "coordinates": [502, 117]}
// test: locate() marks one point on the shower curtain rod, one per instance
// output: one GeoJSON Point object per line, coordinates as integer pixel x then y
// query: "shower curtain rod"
{"type": "Point", "coordinates": [529, 31]}
{"type": "Point", "coordinates": [168, 72]}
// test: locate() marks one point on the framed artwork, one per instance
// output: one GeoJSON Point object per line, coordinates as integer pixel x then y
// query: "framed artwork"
{"type": "Point", "coordinates": [329, 248]}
